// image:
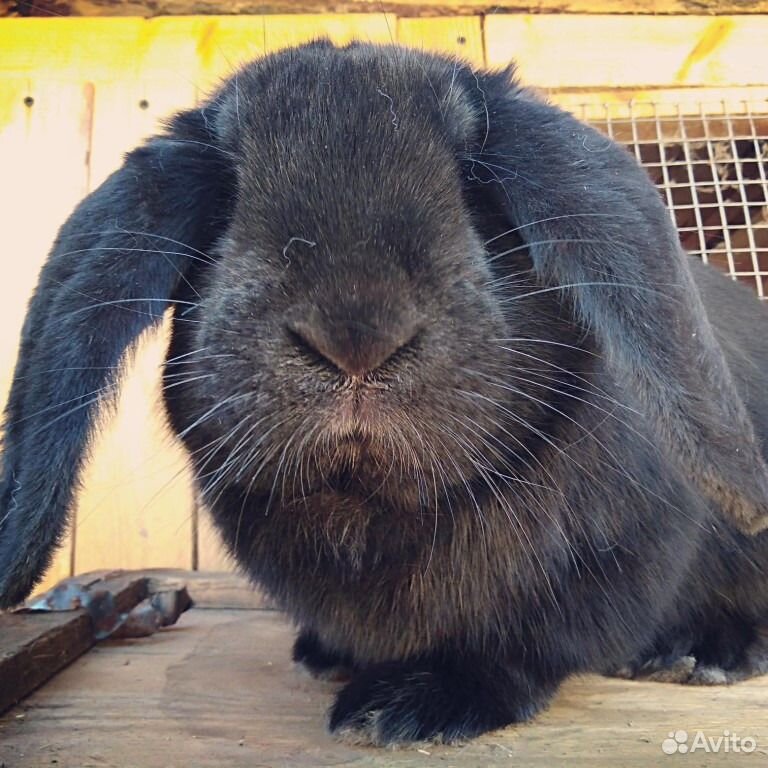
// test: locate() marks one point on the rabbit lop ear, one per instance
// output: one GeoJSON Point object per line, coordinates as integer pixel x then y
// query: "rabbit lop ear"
{"type": "Point", "coordinates": [113, 270]}
{"type": "Point", "coordinates": [596, 226]}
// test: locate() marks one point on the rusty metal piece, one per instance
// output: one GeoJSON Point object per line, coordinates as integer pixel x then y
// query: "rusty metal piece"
{"type": "Point", "coordinates": [155, 609]}
{"type": "Point", "coordinates": [171, 603]}
{"type": "Point", "coordinates": [56, 627]}
{"type": "Point", "coordinates": [142, 621]}
{"type": "Point", "coordinates": [159, 610]}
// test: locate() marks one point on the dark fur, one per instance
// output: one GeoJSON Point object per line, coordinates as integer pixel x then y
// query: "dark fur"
{"type": "Point", "coordinates": [466, 472]}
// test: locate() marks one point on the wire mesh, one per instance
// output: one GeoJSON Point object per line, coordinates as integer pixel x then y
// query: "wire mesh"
{"type": "Point", "coordinates": [710, 162]}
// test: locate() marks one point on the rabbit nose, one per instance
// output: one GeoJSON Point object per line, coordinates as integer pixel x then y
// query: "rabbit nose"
{"type": "Point", "coordinates": [355, 347]}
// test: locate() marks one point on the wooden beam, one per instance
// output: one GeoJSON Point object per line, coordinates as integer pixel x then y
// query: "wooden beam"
{"type": "Point", "coordinates": [607, 51]}
{"type": "Point", "coordinates": [460, 36]}
{"type": "Point", "coordinates": [35, 646]}
{"type": "Point", "coordinates": [399, 7]}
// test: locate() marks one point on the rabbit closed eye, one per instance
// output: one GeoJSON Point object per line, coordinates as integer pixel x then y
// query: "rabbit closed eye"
{"type": "Point", "coordinates": [446, 379]}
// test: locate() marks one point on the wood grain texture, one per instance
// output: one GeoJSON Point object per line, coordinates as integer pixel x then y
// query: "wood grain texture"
{"type": "Point", "coordinates": [212, 554]}
{"type": "Point", "coordinates": [460, 36]}
{"type": "Point", "coordinates": [611, 51]}
{"type": "Point", "coordinates": [35, 646]}
{"type": "Point", "coordinates": [400, 7]}
{"type": "Point", "coordinates": [219, 689]}
{"type": "Point", "coordinates": [135, 508]}
{"type": "Point", "coordinates": [227, 42]}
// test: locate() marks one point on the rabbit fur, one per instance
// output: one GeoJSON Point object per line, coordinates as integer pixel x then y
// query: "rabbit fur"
{"type": "Point", "coordinates": [452, 391]}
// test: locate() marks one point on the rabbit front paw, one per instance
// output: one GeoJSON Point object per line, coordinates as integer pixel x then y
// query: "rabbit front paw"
{"type": "Point", "coordinates": [396, 704]}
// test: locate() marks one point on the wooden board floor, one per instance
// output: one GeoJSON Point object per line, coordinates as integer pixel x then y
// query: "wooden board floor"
{"type": "Point", "coordinates": [219, 690]}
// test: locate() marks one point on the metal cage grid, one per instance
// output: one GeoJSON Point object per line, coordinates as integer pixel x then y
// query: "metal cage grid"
{"type": "Point", "coordinates": [710, 162]}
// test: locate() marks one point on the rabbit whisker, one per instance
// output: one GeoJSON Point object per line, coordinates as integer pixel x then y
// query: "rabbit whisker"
{"type": "Point", "coordinates": [590, 390]}
{"type": "Point", "coordinates": [454, 439]}
{"type": "Point", "coordinates": [69, 412]}
{"type": "Point", "coordinates": [71, 368]}
{"type": "Point", "coordinates": [134, 233]}
{"type": "Point", "coordinates": [166, 387]}
{"type": "Point", "coordinates": [553, 241]}
{"type": "Point", "coordinates": [593, 387]}
{"type": "Point", "coordinates": [497, 382]}
{"type": "Point", "coordinates": [526, 547]}
{"type": "Point", "coordinates": [195, 361]}
{"type": "Point", "coordinates": [555, 218]}
{"type": "Point", "coordinates": [119, 249]}
{"type": "Point", "coordinates": [268, 456]}
{"type": "Point", "coordinates": [225, 152]}
{"type": "Point", "coordinates": [303, 454]}
{"type": "Point", "coordinates": [616, 466]}
{"type": "Point", "coordinates": [530, 339]}
{"type": "Point", "coordinates": [607, 284]}
{"type": "Point", "coordinates": [255, 450]}
{"type": "Point", "coordinates": [220, 473]}
{"type": "Point", "coordinates": [53, 407]}
{"type": "Point", "coordinates": [540, 504]}
{"type": "Point", "coordinates": [221, 404]}
{"type": "Point", "coordinates": [197, 351]}
{"type": "Point", "coordinates": [292, 457]}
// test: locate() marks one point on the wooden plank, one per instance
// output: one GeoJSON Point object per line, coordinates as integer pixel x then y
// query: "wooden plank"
{"type": "Point", "coordinates": [130, 109]}
{"type": "Point", "coordinates": [75, 48]}
{"type": "Point", "coordinates": [613, 51]}
{"type": "Point", "coordinates": [97, 48]}
{"type": "Point", "coordinates": [167, 55]}
{"type": "Point", "coordinates": [212, 554]}
{"type": "Point", "coordinates": [208, 589]}
{"type": "Point", "coordinates": [44, 143]}
{"type": "Point", "coordinates": [400, 7]}
{"type": "Point", "coordinates": [225, 43]}
{"type": "Point", "coordinates": [35, 646]}
{"type": "Point", "coordinates": [460, 36]}
{"type": "Point", "coordinates": [601, 51]}
{"type": "Point", "coordinates": [135, 507]}
{"type": "Point", "coordinates": [211, 589]}
{"type": "Point", "coordinates": [220, 690]}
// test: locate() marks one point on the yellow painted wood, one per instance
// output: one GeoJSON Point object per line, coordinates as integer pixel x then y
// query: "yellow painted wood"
{"type": "Point", "coordinates": [43, 153]}
{"type": "Point", "coordinates": [212, 555]}
{"type": "Point", "coordinates": [619, 51]}
{"type": "Point", "coordinates": [408, 8]}
{"type": "Point", "coordinates": [69, 48]}
{"type": "Point", "coordinates": [128, 111]}
{"type": "Point", "coordinates": [456, 35]}
{"type": "Point", "coordinates": [227, 42]}
{"type": "Point", "coordinates": [135, 509]}
{"type": "Point", "coordinates": [194, 50]}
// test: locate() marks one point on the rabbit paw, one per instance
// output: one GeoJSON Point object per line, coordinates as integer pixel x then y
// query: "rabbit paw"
{"type": "Point", "coordinates": [729, 656]}
{"type": "Point", "coordinates": [391, 705]}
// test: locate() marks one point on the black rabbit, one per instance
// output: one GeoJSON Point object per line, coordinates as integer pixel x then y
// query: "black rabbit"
{"type": "Point", "coordinates": [446, 380]}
